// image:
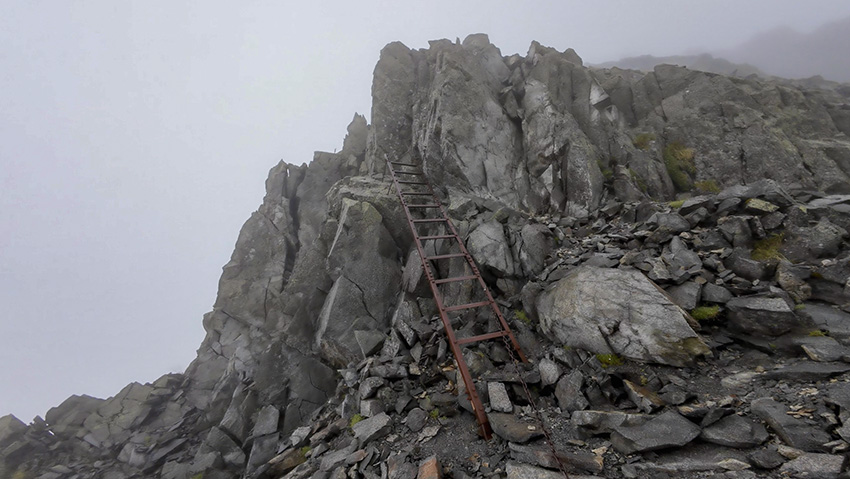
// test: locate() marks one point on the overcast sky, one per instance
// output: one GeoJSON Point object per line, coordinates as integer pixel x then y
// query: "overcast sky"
{"type": "Point", "coordinates": [135, 137]}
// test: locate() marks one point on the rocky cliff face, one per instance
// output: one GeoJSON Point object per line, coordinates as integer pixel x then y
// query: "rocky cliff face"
{"type": "Point", "coordinates": [558, 176]}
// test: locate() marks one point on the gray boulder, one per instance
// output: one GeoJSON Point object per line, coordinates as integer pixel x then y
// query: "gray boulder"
{"type": "Point", "coordinates": [762, 316]}
{"type": "Point", "coordinates": [613, 311]}
{"type": "Point", "coordinates": [666, 430]}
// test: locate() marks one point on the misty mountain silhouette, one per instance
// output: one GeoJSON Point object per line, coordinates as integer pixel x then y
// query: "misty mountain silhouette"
{"type": "Point", "coordinates": [781, 51]}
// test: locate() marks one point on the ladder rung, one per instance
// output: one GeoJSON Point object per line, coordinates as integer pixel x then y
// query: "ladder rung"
{"type": "Point", "coordinates": [467, 306]}
{"type": "Point", "coordinates": [445, 256]}
{"type": "Point", "coordinates": [456, 278]}
{"type": "Point", "coordinates": [403, 182]}
{"type": "Point", "coordinates": [399, 163]}
{"type": "Point", "coordinates": [426, 238]}
{"type": "Point", "coordinates": [416, 193]}
{"type": "Point", "coordinates": [482, 337]}
{"type": "Point", "coordinates": [423, 206]}
{"type": "Point", "coordinates": [417, 173]}
{"type": "Point", "coordinates": [431, 220]}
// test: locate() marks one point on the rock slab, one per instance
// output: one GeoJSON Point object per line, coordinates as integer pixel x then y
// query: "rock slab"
{"type": "Point", "coordinates": [666, 430]}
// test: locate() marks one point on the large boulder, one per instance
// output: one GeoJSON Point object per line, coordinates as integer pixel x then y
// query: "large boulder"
{"type": "Point", "coordinates": [613, 311]}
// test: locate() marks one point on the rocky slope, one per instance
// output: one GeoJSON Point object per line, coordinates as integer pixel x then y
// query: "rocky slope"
{"type": "Point", "coordinates": [708, 334]}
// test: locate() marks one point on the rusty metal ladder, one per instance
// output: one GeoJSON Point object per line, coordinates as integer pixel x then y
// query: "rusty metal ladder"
{"type": "Point", "coordinates": [411, 176]}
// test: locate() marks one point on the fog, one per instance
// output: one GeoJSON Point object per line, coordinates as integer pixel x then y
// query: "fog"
{"type": "Point", "coordinates": [135, 138]}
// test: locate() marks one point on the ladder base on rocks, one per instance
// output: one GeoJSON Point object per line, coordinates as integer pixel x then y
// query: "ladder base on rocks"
{"type": "Point", "coordinates": [411, 176]}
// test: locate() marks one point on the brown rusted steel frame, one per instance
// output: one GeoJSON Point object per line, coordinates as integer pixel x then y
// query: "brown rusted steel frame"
{"type": "Point", "coordinates": [474, 267]}
{"type": "Point", "coordinates": [472, 393]}
{"type": "Point", "coordinates": [433, 282]}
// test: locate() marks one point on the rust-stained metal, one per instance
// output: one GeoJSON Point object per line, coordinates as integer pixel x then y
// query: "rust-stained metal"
{"type": "Point", "coordinates": [399, 169]}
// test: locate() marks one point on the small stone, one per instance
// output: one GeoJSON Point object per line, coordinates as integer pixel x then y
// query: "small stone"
{"type": "Point", "coordinates": [735, 431]}
{"type": "Point", "coordinates": [333, 459]}
{"type": "Point", "coordinates": [372, 428]}
{"type": "Point", "coordinates": [672, 222]}
{"type": "Point", "coordinates": [513, 429]}
{"type": "Point", "coordinates": [371, 407]}
{"type": "Point", "coordinates": [416, 419]}
{"type": "Point", "coordinates": [766, 459]}
{"type": "Point", "coordinates": [604, 422]}
{"type": "Point", "coordinates": [686, 295]}
{"type": "Point", "coordinates": [389, 371]}
{"type": "Point", "coordinates": [369, 386]}
{"type": "Point", "coordinates": [356, 456]}
{"type": "Point", "coordinates": [666, 430]}
{"type": "Point", "coordinates": [568, 392]}
{"type": "Point", "coordinates": [807, 371]}
{"type": "Point", "coordinates": [759, 207]}
{"type": "Point", "coordinates": [822, 348]}
{"type": "Point", "coordinates": [429, 469]}
{"type": "Point", "coordinates": [823, 466]}
{"type": "Point", "coordinates": [646, 400]}
{"type": "Point", "coordinates": [516, 470]}
{"type": "Point", "coordinates": [550, 372]}
{"type": "Point", "coordinates": [794, 432]}
{"type": "Point", "coordinates": [542, 456]}
{"type": "Point", "coordinates": [712, 293]}
{"type": "Point", "coordinates": [299, 436]}
{"type": "Point", "coordinates": [499, 400]}
{"type": "Point", "coordinates": [428, 433]}
{"type": "Point", "coordinates": [370, 341]}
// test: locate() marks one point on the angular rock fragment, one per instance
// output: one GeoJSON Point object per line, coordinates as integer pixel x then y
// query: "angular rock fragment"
{"type": "Point", "coordinates": [499, 400]}
{"type": "Point", "coordinates": [666, 430]}
{"type": "Point", "coordinates": [429, 468]}
{"type": "Point", "coordinates": [735, 431]}
{"type": "Point", "coordinates": [569, 394]}
{"type": "Point", "coordinates": [513, 429]}
{"type": "Point", "coordinates": [794, 432]}
{"type": "Point", "coordinates": [762, 316]}
{"type": "Point", "coordinates": [372, 428]}
{"type": "Point", "coordinates": [824, 466]}
{"type": "Point", "coordinates": [686, 295]}
{"type": "Point", "coordinates": [542, 456]}
{"type": "Point", "coordinates": [550, 372]}
{"type": "Point", "coordinates": [604, 422]}
{"type": "Point", "coordinates": [807, 371]}
{"type": "Point", "coordinates": [712, 293]}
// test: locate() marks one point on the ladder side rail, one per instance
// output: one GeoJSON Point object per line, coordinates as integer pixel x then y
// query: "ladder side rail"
{"type": "Point", "coordinates": [471, 391]}
{"type": "Point", "coordinates": [477, 273]}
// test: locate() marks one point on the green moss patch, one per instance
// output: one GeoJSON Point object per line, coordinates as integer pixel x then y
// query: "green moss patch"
{"type": "Point", "coordinates": [609, 360]}
{"type": "Point", "coordinates": [707, 186]}
{"type": "Point", "coordinates": [522, 316]}
{"type": "Point", "coordinates": [768, 248]}
{"type": "Point", "coordinates": [676, 204]}
{"type": "Point", "coordinates": [704, 313]}
{"type": "Point", "coordinates": [355, 419]}
{"type": "Point", "coordinates": [642, 141]}
{"type": "Point", "coordinates": [679, 161]}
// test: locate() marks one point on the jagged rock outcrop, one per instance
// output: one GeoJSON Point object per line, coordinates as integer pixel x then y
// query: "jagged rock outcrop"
{"type": "Point", "coordinates": [324, 353]}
